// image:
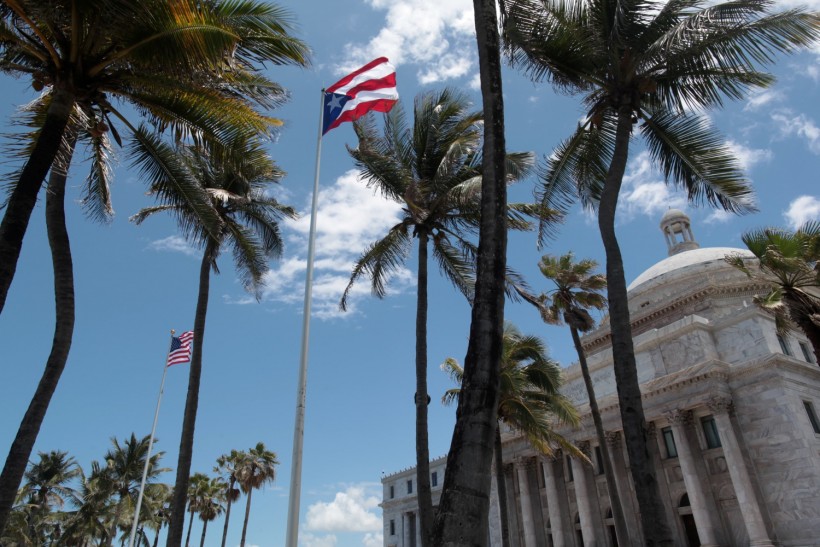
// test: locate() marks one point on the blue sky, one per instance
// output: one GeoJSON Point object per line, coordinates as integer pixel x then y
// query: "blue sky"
{"type": "Point", "coordinates": [134, 284]}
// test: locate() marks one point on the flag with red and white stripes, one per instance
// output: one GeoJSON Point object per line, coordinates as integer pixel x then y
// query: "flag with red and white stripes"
{"type": "Point", "coordinates": [372, 87]}
{"type": "Point", "coordinates": [180, 348]}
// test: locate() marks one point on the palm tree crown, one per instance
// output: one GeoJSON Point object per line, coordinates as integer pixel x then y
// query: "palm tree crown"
{"type": "Point", "coordinates": [787, 262]}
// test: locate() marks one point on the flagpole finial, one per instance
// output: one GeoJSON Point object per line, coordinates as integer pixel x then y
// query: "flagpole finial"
{"type": "Point", "coordinates": [173, 332]}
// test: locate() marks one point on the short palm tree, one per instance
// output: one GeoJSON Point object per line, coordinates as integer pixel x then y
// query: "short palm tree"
{"type": "Point", "coordinates": [433, 170]}
{"type": "Point", "coordinates": [787, 261]}
{"type": "Point", "coordinates": [651, 66]}
{"type": "Point", "coordinates": [257, 469]}
{"type": "Point", "coordinates": [210, 504]}
{"type": "Point", "coordinates": [165, 58]}
{"type": "Point", "coordinates": [198, 487]}
{"type": "Point", "coordinates": [529, 401]}
{"type": "Point", "coordinates": [578, 289]}
{"type": "Point", "coordinates": [228, 465]}
{"type": "Point", "coordinates": [246, 220]}
{"type": "Point", "coordinates": [124, 465]}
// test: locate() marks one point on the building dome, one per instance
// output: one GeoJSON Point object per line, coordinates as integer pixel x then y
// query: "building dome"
{"type": "Point", "coordinates": [684, 264]}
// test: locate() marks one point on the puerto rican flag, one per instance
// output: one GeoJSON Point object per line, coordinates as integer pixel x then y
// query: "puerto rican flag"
{"type": "Point", "coordinates": [372, 87]}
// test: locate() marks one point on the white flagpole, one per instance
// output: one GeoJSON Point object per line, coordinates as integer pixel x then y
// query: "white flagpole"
{"type": "Point", "coordinates": [299, 425]}
{"type": "Point", "coordinates": [150, 445]}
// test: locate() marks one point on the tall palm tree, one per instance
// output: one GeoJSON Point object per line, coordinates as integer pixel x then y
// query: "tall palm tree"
{"type": "Point", "coordinates": [248, 223]}
{"type": "Point", "coordinates": [529, 401]}
{"type": "Point", "coordinates": [155, 508]}
{"type": "Point", "coordinates": [433, 170]}
{"type": "Point", "coordinates": [186, 66]}
{"type": "Point", "coordinates": [787, 261]}
{"type": "Point", "coordinates": [228, 465]}
{"type": "Point", "coordinates": [576, 290]}
{"type": "Point", "coordinates": [210, 504]}
{"type": "Point", "coordinates": [464, 505]}
{"type": "Point", "coordinates": [88, 523]}
{"type": "Point", "coordinates": [257, 469]}
{"type": "Point", "coordinates": [124, 465]}
{"type": "Point", "coordinates": [659, 65]}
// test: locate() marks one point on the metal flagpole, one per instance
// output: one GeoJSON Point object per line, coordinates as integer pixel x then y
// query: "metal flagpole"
{"type": "Point", "coordinates": [150, 445]}
{"type": "Point", "coordinates": [299, 425]}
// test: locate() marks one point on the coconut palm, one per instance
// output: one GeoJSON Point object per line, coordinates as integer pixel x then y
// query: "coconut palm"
{"type": "Point", "coordinates": [186, 66]}
{"type": "Point", "coordinates": [155, 510]}
{"type": "Point", "coordinates": [576, 290]}
{"type": "Point", "coordinates": [247, 222]}
{"type": "Point", "coordinates": [464, 505]}
{"type": "Point", "coordinates": [433, 170]}
{"type": "Point", "coordinates": [228, 465]}
{"type": "Point", "coordinates": [787, 262]}
{"type": "Point", "coordinates": [256, 470]}
{"type": "Point", "coordinates": [659, 65]}
{"type": "Point", "coordinates": [529, 402]}
{"type": "Point", "coordinates": [88, 525]}
{"type": "Point", "coordinates": [198, 488]}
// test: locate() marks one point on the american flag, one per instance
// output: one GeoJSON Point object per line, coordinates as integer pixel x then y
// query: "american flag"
{"type": "Point", "coordinates": [180, 348]}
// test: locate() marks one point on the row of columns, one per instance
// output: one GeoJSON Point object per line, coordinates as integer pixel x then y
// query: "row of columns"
{"type": "Point", "coordinates": [695, 480]}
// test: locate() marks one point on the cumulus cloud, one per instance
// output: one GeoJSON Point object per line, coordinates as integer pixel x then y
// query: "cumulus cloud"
{"type": "Point", "coordinates": [309, 540]}
{"type": "Point", "coordinates": [173, 244]}
{"type": "Point", "coordinates": [799, 125]}
{"type": "Point", "coordinates": [444, 45]}
{"type": "Point", "coordinates": [644, 191]}
{"type": "Point", "coordinates": [350, 217]}
{"type": "Point", "coordinates": [749, 157]}
{"type": "Point", "coordinates": [760, 98]}
{"type": "Point", "coordinates": [802, 210]}
{"type": "Point", "coordinates": [373, 540]}
{"type": "Point", "coordinates": [350, 511]}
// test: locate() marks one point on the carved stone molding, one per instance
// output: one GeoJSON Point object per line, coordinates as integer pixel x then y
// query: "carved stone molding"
{"type": "Point", "coordinates": [651, 431]}
{"type": "Point", "coordinates": [720, 405]}
{"type": "Point", "coordinates": [680, 417]}
{"type": "Point", "coordinates": [613, 438]}
{"type": "Point", "coordinates": [523, 462]}
{"type": "Point", "coordinates": [584, 447]}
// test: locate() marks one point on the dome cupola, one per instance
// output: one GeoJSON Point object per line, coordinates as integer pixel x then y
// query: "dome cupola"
{"type": "Point", "coordinates": [677, 231]}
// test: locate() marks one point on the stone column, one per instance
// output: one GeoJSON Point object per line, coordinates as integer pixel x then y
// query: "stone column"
{"type": "Point", "coordinates": [526, 502]}
{"type": "Point", "coordinates": [741, 481]}
{"type": "Point", "coordinates": [622, 483]}
{"type": "Point", "coordinates": [582, 495]}
{"type": "Point", "coordinates": [555, 504]}
{"type": "Point", "coordinates": [681, 420]}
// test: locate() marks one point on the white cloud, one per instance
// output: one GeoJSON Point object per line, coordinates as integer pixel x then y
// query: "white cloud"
{"type": "Point", "coordinates": [444, 44]}
{"type": "Point", "coordinates": [719, 216]}
{"type": "Point", "coordinates": [749, 157]}
{"type": "Point", "coordinates": [798, 125]}
{"type": "Point", "coordinates": [802, 210]}
{"type": "Point", "coordinates": [309, 540]}
{"type": "Point", "coordinates": [373, 540]}
{"type": "Point", "coordinates": [350, 511]}
{"type": "Point", "coordinates": [174, 244]}
{"type": "Point", "coordinates": [350, 217]}
{"type": "Point", "coordinates": [762, 97]}
{"type": "Point", "coordinates": [644, 191]}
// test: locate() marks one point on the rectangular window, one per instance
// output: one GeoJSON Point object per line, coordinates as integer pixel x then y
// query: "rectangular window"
{"type": "Point", "coordinates": [784, 345]}
{"type": "Point", "coordinates": [804, 347]}
{"type": "Point", "coordinates": [392, 527]}
{"type": "Point", "coordinates": [410, 487]}
{"type": "Point", "coordinates": [434, 478]}
{"type": "Point", "coordinates": [392, 491]}
{"type": "Point", "coordinates": [599, 460]}
{"type": "Point", "coordinates": [710, 432]}
{"type": "Point", "coordinates": [669, 443]}
{"type": "Point", "coordinates": [815, 423]}
{"type": "Point", "coordinates": [570, 478]}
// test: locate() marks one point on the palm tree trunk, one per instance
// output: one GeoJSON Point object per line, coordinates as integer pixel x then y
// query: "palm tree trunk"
{"type": "Point", "coordinates": [156, 539]}
{"type": "Point", "coordinates": [24, 196]}
{"type": "Point", "coordinates": [247, 514]}
{"type": "Point", "coordinates": [425, 496]}
{"type": "Point", "coordinates": [21, 447]}
{"type": "Point", "coordinates": [227, 511]}
{"type": "Point", "coordinates": [621, 531]}
{"type": "Point", "coordinates": [462, 517]}
{"type": "Point", "coordinates": [501, 486]}
{"type": "Point", "coordinates": [186, 443]}
{"type": "Point", "coordinates": [190, 525]}
{"type": "Point", "coordinates": [653, 518]}
{"type": "Point", "coordinates": [204, 529]}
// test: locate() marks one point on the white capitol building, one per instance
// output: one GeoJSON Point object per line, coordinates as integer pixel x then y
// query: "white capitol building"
{"type": "Point", "coordinates": [732, 407]}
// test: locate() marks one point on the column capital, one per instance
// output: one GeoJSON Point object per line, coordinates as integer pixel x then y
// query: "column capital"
{"type": "Point", "coordinates": [523, 462]}
{"type": "Point", "coordinates": [720, 405]}
{"type": "Point", "coordinates": [556, 455]}
{"type": "Point", "coordinates": [613, 438]}
{"type": "Point", "coordinates": [680, 417]}
{"type": "Point", "coordinates": [584, 447]}
{"type": "Point", "coordinates": [651, 431]}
